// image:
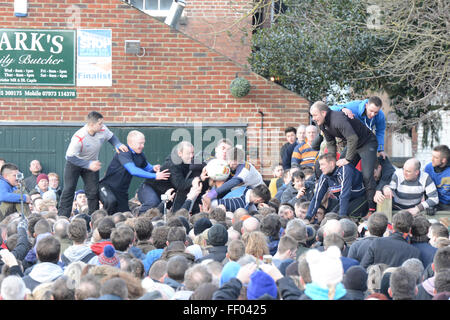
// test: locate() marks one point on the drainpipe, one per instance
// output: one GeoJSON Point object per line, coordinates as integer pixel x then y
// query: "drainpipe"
{"type": "Point", "coordinates": [261, 153]}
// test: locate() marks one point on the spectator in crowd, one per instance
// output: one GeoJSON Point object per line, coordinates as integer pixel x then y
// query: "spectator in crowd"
{"type": "Point", "coordinates": [419, 239]}
{"type": "Point", "coordinates": [10, 198]}
{"type": "Point", "coordinates": [376, 227]}
{"type": "Point", "coordinates": [35, 169]}
{"type": "Point", "coordinates": [288, 148]}
{"type": "Point", "coordinates": [409, 186]}
{"type": "Point", "coordinates": [395, 249]}
{"type": "Point", "coordinates": [304, 154]}
{"type": "Point", "coordinates": [441, 262]}
{"type": "Point", "coordinates": [383, 175]}
{"type": "Point", "coordinates": [402, 285]}
{"type": "Point", "coordinates": [439, 171]}
{"type": "Point", "coordinates": [277, 181]}
{"type": "Point", "coordinates": [53, 184]}
{"type": "Point", "coordinates": [298, 189]}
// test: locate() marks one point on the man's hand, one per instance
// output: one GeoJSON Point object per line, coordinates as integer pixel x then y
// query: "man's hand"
{"type": "Point", "coordinates": [157, 167]}
{"type": "Point", "coordinates": [301, 192]}
{"type": "Point", "coordinates": [8, 258]}
{"type": "Point", "coordinates": [27, 199]}
{"type": "Point", "coordinates": [204, 174]}
{"type": "Point", "coordinates": [387, 192]}
{"type": "Point", "coordinates": [348, 113]}
{"type": "Point", "coordinates": [414, 210]}
{"type": "Point", "coordinates": [95, 165]}
{"type": "Point", "coordinates": [194, 191]}
{"type": "Point", "coordinates": [245, 272]}
{"type": "Point", "coordinates": [342, 162]}
{"type": "Point", "coordinates": [163, 175]}
{"type": "Point", "coordinates": [206, 204]}
{"type": "Point", "coordinates": [381, 153]}
{"type": "Point", "coordinates": [272, 271]}
{"type": "Point", "coordinates": [122, 148]}
{"type": "Point", "coordinates": [170, 193]}
{"type": "Point", "coordinates": [378, 197]}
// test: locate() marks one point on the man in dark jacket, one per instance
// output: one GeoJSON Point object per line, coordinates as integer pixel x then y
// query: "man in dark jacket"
{"type": "Point", "coordinates": [217, 237]}
{"type": "Point", "coordinates": [361, 143]}
{"type": "Point", "coordinates": [376, 226]}
{"type": "Point", "coordinates": [395, 249]}
{"type": "Point", "coordinates": [23, 245]}
{"type": "Point", "coordinates": [178, 163]}
{"type": "Point", "coordinates": [288, 148]}
{"type": "Point", "coordinates": [383, 174]}
{"type": "Point", "coordinates": [345, 187]}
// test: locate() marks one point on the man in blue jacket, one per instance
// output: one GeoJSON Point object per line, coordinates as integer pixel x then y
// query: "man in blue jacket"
{"type": "Point", "coordinates": [9, 197]}
{"type": "Point", "coordinates": [369, 112]}
{"type": "Point", "coordinates": [345, 187]}
{"type": "Point", "coordinates": [439, 171]}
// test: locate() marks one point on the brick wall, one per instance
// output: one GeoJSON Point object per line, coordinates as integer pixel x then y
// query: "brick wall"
{"type": "Point", "coordinates": [222, 25]}
{"type": "Point", "coordinates": [179, 80]}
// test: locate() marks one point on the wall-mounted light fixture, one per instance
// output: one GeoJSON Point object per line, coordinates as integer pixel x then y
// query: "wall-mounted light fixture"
{"type": "Point", "coordinates": [175, 13]}
{"type": "Point", "coordinates": [21, 8]}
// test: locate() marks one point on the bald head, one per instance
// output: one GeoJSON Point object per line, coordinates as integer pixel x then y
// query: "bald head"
{"type": "Point", "coordinates": [411, 169]}
{"type": "Point", "coordinates": [333, 226]}
{"type": "Point", "coordinates": [136, 141]}
{"type": "Point", "coordinates": [250, 224]}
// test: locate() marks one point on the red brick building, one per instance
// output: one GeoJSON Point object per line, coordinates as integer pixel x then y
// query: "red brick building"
{"type": "Point", "coordinates": [179, 80]}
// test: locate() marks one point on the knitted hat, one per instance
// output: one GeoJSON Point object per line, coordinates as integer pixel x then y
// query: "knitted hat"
{"type": "Point", "coordinates": [217, 235]}
{"type": "Point", "coordinates": [109, 257]}
{"type": "Point", "coordinates": [229, 271]}
{"type": "Point", "coordinates": [355, 278]}
{"type": "Point", "coordinates": [325, 267]}
{"type": "Point", "coordinates": [260, 284]}
{"type": "Point", "coordinates": [201, 225]}
{"type": "Point", "coordinates": [40, 177]}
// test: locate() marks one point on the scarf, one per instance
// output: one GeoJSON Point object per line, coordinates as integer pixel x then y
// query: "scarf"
{"type": "Point", "coordinates": [315, 292]}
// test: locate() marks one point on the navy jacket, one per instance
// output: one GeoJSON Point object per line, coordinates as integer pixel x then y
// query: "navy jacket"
{"type": "Point", "coordinates": [392, 250]}
{"type": "Point", "coordinates": [344, 183]}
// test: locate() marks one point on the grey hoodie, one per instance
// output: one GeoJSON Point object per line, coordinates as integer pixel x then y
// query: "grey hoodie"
{"type": "Point", "coordinates": [77, 252]}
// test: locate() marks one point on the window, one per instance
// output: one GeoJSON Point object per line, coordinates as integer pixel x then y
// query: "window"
{"type": "Point", "coordinates": [158, 8]}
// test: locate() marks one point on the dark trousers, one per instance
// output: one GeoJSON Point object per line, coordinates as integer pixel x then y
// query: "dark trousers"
{"type": "Point", "coordinates": [113, 200]}
{"type": "Point", "coordinates": [71, 175]}
{"type": "Point", "coordinates": [368, 155]}
{"type": "Point", "coordinates": [357, 208]}
{"type": "Point", "coordinates": [148, 197]}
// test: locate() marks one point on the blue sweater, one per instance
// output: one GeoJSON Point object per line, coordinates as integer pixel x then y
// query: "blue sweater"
{"type": "Point", "coordinates": [442, 182]}
{"type": "Point", "coordinates": [7, 192]}
{"type": "Point", "coordinates": [358, 108]}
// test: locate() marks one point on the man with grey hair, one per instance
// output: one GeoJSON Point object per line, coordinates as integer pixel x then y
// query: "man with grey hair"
{"type": "Point", "coordinates": [411, 189]}
{"type": "Point", "coordinates": [13, 288]}
{"type": "Point", "coordinates": [114, 185]}
{"type": "Point", "coordinates": [296, 228]}
{"type": "Point", "coordinates": [181, 179]}
{"type": "Point", "coordinates": [304, 155]}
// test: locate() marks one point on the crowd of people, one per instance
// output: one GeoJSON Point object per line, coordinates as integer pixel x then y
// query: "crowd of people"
{"type": "Point", "coordinates": [213, 229]}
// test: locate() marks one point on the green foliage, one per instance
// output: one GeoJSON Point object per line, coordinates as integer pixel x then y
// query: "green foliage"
{"type": "Point", "coordinates": [240, 87]}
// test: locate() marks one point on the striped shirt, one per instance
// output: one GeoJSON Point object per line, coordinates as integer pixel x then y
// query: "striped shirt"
{"type": "Point", "coordinates": [408, 194]}
{"type": "Point", "coordinates": [232, 204]}
{"type": "Point", "coordinates": [304, 155]}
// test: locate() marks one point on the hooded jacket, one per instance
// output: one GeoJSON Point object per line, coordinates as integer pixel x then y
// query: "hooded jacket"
{"type": "Point", "coordinates": [42, 273]}
{"type": "Point", "coordinates": [78, 252]}
{"type": "Point", "coordinates": [358, 108]}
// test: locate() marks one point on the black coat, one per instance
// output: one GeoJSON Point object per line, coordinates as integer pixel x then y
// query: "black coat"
{"type": "Point", "coordinates": [392, 250]}
{"type": "Point", "coordinates": [215, 253]}
{"type": "Point", "coordinates": [180, 179]}
{"type": "Point", "coordinates": [229, 291]}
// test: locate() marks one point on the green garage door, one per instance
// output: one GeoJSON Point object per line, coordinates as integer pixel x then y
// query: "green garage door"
{"type": "Point", "coordinates": [20, 144]}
